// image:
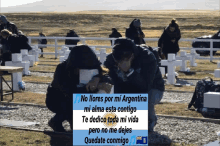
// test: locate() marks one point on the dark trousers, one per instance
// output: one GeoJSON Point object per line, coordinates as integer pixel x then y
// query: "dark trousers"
{"type": "Point", "coordinates": [59, 104]}
{"type": "Point", "coordinates": [41, 51]}
{"type": "Point", "coordinates": [5, 57]}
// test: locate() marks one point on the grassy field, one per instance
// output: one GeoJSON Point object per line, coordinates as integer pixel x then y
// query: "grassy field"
{"type": "Point", "coordinates": [99, 24]}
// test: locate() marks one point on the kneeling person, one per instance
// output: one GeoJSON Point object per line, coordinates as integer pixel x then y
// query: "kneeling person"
{"type": "Point", "coordinates": [134, 69]}
{"type": "Point", "coordinates": [59, 98]}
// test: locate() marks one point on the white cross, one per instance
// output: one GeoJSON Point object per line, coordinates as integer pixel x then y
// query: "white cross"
{"type": "Point", "coordinates": [35, 51]}
{"type": "Point", "coordinates": [184, 59]}
{"type": "Point", "coordinates": [66, 55]}
{"type": "Point", "coordinates": [27, 57]}
{"type": "Point", "coordinates": [171, 63]}
{"type": "Point", "coordinates": [17, 61]}
{"type": "Point", "coordinates": [193, 56]}
{"type": "Point", "coordinates": [217, 71]}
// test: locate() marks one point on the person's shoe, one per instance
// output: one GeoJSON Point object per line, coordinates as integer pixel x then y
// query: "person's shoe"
{"type": "Point", "coordinates": [56, 127]}
{"type": "Point", "coordinates": [41, 56]}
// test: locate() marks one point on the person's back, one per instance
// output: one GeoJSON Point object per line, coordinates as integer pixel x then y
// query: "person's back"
{"type": "Point", "coordinates": [71, 33]}
{"type": "Point", "coordinates": [114, 34]}
{"type": "Point", "coordinates": [5, 24]}
{"type": "Point", "coordinates": [135, 33]}
{"type": "Point", "coordinates": [66, 82]}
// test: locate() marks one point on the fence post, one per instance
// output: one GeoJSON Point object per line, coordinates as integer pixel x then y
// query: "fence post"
{"type": "Point", "coordinates": [55, 48]}
{"type": "Point", "coordinates": [211, 50]}
{"type": "Point", "coordinates": [29, 40]}
{"type": "Point", "coordinates": [113, 42]}
{"type": "Point", "coordinates": [84, 41]}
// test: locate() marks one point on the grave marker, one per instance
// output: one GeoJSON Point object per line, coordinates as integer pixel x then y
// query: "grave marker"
{"type": "Point", "coordinates": [217, 71]}
{"type": "Point", "coordinates": [171, 63]}
{"type": "Point", "coordinates": [26, 57]}
{"type": "Point", "coordinates": [193, 56]}
{"type": "Point", "coordinates": [17, 61]}
{"type": "Point", "coordinates": [184, 59]}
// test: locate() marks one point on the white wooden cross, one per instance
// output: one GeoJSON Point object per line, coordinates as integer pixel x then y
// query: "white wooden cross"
{"type": "Point", "coordinates": [66, 55]}
{"type": "Point", "coordinates": [63, 49]}
{"type": "Point", "coordinates": [184, 59]}
{"type": "Point", "coordinates": [17, 62]}
{"type": "Point", "coordinates": [217, 71]}
{"type": "Point", "coordinates": [193, 55]}
{"type": "Point", "coordinates": [35, 51]}
{"type": "Point", "coordinates": [171, 63]}
{"type": "Point", "coordinates": [26, 57]}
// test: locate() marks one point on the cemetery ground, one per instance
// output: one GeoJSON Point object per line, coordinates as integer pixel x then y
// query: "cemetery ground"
{"type": "Point", "coordinates": [99, 24]}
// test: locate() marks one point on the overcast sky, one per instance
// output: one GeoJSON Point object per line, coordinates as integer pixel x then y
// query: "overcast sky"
{"type": "Point", "coordinates": [128, 4]}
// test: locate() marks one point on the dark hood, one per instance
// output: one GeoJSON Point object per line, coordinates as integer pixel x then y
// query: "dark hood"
{"type": "Point", "coordinates": [127, 44]}
{"type": "Point", "coordinates": [3, 19]}
{"type": "Point", "coordinates": [82, 57]}
{"type": "Point", "coordinates": [176, 33]}
{"type": "Point", "coordinates": [131, 24]}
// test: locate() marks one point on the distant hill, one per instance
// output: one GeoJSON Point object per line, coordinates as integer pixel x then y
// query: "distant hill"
{"type": "Point", "coordinates": [86, 5]}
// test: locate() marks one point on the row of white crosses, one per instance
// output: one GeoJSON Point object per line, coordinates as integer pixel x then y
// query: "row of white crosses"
{"type": "Point", "coordinates": [35, 51]}
{"type": "Point", "coordinates": [181, 60]}
{"type": "Point", "coordinates": [64, 53]}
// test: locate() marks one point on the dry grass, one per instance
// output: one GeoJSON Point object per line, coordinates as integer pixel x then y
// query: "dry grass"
{"type": "Point", "coordinates": [11, 137]}
{"type": "Point", "coordinates": [99, 24]}
{"type": "Point", "coordinates": [26, 97]}
{"type": "Point", "coordinates": [184, 88]}
{"type": "Point", "coordinates": [39, 79]}
{"type": "Point", "coordinates": [43, 68]}
{"type": "Point", "coordinates": [199, 75]}
{"type": "Point", "coordinates": [176, 109]}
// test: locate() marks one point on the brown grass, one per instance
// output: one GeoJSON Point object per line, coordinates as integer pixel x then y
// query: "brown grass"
{"type": "Point", "coordinates": [38, 79]}
{"type": "Point", "coordinates": [12, 137]}
{"type": "Point", "coordinates": [175, 109]}
{"type": "Point", "coordinates": [27, 97]}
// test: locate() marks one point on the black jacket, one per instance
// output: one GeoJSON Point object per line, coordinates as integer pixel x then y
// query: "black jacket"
{"type": "Point", "coordinates": [165, 41]}
{"type": "Point", "coordinates": [17, 42]}
{"type": "Point", "coordinates": [78, 58]}
{"type": "Point", "coordinates": [11, 27]}
{"type": "Point", "coordinates": [71, 42]}
{"type": "Point", "coordinates": [115, 34]}
{"type": "Point", "coordinates": [133, 33]}
{"type": "Point", "coordinates": [145, 77]}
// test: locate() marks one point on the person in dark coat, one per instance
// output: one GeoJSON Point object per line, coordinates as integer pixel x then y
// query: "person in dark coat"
{"type": "Point", "coordinates": [15, 43]}
{"type": "Point", "coordinates": [24, 40]}
{"type": "Point", "coordinates": [71, 33]}
{"type": "Point", "coordinates": [134, 69]}
{"type": "Point", "coordinates": [5, 24]}
{"type": "Point", "coordinates": [169, 40]}
{"type": "Point", "coordinates": [42, 41]}
{"type": "Point", "coordinates": [135, 33]}
{"type": "Point", "coordinates": [114, 34]}
{"type": "Point", "coordinates": [66, 83]}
